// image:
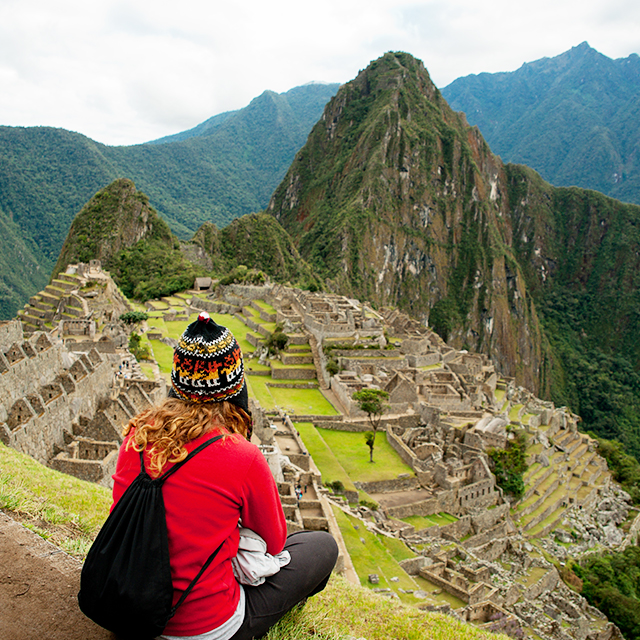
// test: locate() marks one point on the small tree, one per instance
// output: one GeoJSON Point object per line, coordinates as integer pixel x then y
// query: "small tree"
{"type": "Point", "coordinates": [139, 350]}
{"type": "Point", "coordinates": [332, 367]}
{"type": "Point", "coordinates": [372, 402]}
{"type": "Point", "coordinates": [370, 439]}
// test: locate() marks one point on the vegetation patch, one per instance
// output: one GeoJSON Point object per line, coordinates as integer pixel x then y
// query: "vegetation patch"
{"type": "Point", "coordinates": [350, 449]}
{"type": "Point", "coordinates": [510, 464]}
{"type": "Point", "coordinates": [611, 582]}
{"type": "Point", "coordinates": [324, 458]}
{"type": "Point", "coordinates": [60, 508]}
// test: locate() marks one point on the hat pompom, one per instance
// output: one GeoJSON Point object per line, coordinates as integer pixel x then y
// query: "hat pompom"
{"type": "Point", "coordinates": [204, 316]}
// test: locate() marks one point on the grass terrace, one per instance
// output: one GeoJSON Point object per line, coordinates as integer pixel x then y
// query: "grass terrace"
{"type": "Point", "coordinates": [326, 461]}
{"type": "Point", "coordinates": [431, 367]}
{"type": "Point", "coordinates": [265, 306]}
{"type": "Point", "coordinates": [423, 522]}
{"type": "Point", "coordinates": [514, 412]}
{"type": "Point", "coordinates": [353, 454]}
{"type": "Point", "coordinates": [370, 554]}
{"type": "Point", "coordinates": [279, 365]}
{"type": "Point", "coordinates": [295, 401]}
{"type": "Point", "coordinates": [147, 370]}
{"type": "Point", "coordinates": [158, 305]}
{"type": "Point", "coordinates": [68, 512]}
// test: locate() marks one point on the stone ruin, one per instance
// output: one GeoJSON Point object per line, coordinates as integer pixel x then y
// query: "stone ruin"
{"type": "Point", "coordinates": [65, 399]}
{"type": "Point", "coordinates": [447, 409]}
{"type": "Point", "coordinates": [65, 408]}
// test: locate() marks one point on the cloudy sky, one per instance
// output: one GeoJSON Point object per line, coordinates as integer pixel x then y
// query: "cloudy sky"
{"type": "Point", "coordinates": [129, 71]}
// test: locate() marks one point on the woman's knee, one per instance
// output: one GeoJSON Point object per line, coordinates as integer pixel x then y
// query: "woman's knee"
{"type": "Point", "coordinates": [318, 546]}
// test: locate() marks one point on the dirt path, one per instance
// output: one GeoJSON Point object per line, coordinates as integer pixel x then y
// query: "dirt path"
{"type": "Point", "coordinates": [38, 590]}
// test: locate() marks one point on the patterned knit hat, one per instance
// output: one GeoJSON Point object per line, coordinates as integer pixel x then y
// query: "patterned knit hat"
{"type": "Point", "coordinates": [207, 365]}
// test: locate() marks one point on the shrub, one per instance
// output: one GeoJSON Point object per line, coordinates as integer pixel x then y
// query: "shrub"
{"type": "Point", "coordinates": [139, 350]}
{"type": "Point", "coordinates": [370, 504]}
{"type": "Point", "coordinates": [336, 486]}
{"type": "Point", "coordinates": [133, 317]}
{"type": "Point", "coordinates": [332, 367]}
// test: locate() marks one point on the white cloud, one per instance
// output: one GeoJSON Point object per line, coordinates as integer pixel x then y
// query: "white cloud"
{"type": "Point", "coordinates": [124, 72]}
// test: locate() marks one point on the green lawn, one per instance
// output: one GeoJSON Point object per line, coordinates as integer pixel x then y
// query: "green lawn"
{"type": "Point", "coordinates": [277, 364]}
{"type": "Point", "coordinates": [352, 452]}
{"type": "Point", "coordinates": [423, 522]}
{"type": "Point", "coordinates": [299, 401]}
{"type": "Point", "coordinates": [513, 413]}
{"type": "Point", "coordinates": [238, 328]}
{"type": "Point", "coordinates": [157, 324]}
{"type": "Point", "coordinates": [322, 455]}
{"type": "Point", "coordinates": [431, 367]}
{"type": "Point", "coordinates": [147, 369]}
{"type": "Point", "coordinates": [163, 355]}
{"type": "Point", "coordinates": [175, 328]}
{"type": "Point", "coordinates": [373, 556]}
{"type": "Point", "coordinates": [158, 305]}
{"type": "Point", "coordinates": [265, 306]}
{"type": "Point", "coordinates": [254, 365]}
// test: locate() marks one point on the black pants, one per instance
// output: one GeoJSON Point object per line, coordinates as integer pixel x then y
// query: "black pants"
{"type": "Point", "coordinates": [313, 556]}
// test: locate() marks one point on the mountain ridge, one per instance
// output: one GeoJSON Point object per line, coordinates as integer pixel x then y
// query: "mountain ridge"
{"type": "Point", "coordinates": [554, 113]}
{"type": "Point", "coordinates": [47, 175]}
{"type": "Point", "coordinates": [396, 199]}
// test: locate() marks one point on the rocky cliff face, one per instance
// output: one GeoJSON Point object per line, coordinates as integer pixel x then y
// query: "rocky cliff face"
{"type": "Point", "coordinates": [397, 200]}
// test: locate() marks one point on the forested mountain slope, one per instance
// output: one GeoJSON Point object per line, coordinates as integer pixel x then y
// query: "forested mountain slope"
{"type": "Point", "coordinates": [214, 173]}
{"type": "Point", "coordinates": [575, 118]}
{"type": "Point", "coordinates": [395, 199]}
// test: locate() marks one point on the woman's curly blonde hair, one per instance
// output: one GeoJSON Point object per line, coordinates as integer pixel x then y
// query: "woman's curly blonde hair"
{"type": "Point", "coordinates": [166, 428]}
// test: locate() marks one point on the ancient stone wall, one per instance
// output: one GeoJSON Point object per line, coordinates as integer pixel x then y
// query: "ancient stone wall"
{"type": "Point", "coordinates": [389, 486]}
{"type": "Point", "coordinates": [548, 582]}
{"type": "Point", "coordinates": [10, 333]}
{"type": "Point", "coordinates": [406, 454]}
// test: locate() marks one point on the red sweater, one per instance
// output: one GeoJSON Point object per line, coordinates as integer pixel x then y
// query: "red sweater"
{"type": "Point", "coordinates": [227, 481]}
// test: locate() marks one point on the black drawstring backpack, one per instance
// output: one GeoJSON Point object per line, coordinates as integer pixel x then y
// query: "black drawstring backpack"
{"type": "Point", "coordinates": [125, 584]}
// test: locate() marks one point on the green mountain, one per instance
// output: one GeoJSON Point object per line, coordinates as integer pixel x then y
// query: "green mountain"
{"type": "Point", "coordinates": [395, 199]}
{"type": "Point", "coordinates": [225, 168]}
{"type": "Point", "coordinates": [120, 228]}
{"type": "Point", "coordinates": [574, 118]}
{"type": "Point", "coordinates": [256, 241]}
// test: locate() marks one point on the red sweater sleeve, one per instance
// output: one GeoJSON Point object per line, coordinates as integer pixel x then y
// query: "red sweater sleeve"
{"type": "Point", "coordinates": [261, 508]}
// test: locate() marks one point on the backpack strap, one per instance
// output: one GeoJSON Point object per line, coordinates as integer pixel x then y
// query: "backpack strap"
{"type": "Point", "coordinates": [172, 470]}
{"type": "Point", "coordinates": [160, 480]}
{"type": "Point", "coordinates": [187, 591]}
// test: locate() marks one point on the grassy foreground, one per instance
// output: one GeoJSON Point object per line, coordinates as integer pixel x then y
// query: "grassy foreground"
{"type": "Point", "coordinates": [69, 512]}
{"type": "Point", "coordinates": [62, 509]}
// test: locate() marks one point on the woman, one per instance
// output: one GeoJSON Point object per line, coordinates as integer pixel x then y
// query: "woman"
{"type": "Point", "coordinates": [228, 482]}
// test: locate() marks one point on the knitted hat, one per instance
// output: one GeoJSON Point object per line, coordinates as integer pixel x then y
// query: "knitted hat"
{"type": "Point", "coordinates": [207, 365]}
